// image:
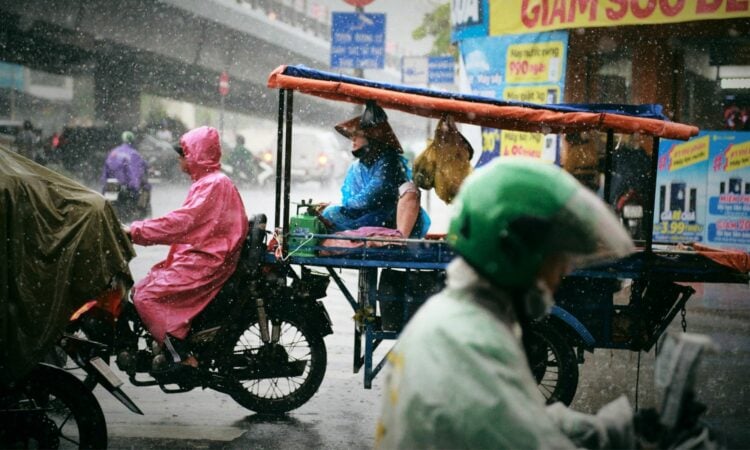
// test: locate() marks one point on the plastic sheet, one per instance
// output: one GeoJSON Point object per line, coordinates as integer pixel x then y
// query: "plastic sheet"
{"type": "Point", "coordinates": [62, 246]}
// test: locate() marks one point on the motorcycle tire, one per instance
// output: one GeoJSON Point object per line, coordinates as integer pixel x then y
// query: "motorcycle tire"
{"type": "Point", "coordinates": [552, 361]}
{"type": "Point", "coordinates": [74, 414]}
{"type": "Point", "coordinates": [283, 394]}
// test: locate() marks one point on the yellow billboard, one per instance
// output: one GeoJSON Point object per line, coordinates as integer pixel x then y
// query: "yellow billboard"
{"type": "Point", "coordinates": [688, 153]}
{"type": "Point", "coordinates": [534, 16]}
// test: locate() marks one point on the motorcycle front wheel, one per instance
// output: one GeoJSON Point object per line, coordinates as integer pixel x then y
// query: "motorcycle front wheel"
{"type": "Point", "coordinates": [552, 361]}
{"type": "Point", "coordinates": [72, 415]}
{"type": "Point", "coordinates": [293, 342]}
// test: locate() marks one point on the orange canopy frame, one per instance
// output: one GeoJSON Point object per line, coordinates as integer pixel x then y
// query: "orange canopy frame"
{"type": "Point", "coordinates": [519, 118]}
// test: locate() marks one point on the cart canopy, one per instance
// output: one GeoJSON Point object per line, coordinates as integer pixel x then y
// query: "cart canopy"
{"type": "Point", "coordinates": [482, 111]}
{"type": "Point", "coordinates": [62, 245]}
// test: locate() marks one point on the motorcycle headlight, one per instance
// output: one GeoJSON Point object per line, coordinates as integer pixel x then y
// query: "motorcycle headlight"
{"type": "Point", "coordinates": [632, 212]}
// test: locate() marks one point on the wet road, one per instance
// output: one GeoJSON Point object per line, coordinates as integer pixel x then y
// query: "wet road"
{"type": "Point", "coordinates": [343, 414]}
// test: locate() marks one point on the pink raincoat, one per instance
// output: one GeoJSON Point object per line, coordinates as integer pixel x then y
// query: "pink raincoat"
{"type": "Point", "coordinates": [205, 234]}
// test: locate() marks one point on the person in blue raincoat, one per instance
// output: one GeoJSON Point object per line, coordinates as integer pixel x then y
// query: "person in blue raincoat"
{"type": "Point", "coordinates": [378, 183]}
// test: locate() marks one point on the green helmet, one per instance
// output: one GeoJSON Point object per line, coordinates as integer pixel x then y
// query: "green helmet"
{"type": "Point", "coordinates": [514, 212]}
{"type": "Point", "coordinates": [128, 137]}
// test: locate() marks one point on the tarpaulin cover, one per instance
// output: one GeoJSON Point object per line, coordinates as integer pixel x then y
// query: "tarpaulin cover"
{"type": "Point", "coordinates": [482, 111]}
{"type": "Point", "coordinates": [61, 246]}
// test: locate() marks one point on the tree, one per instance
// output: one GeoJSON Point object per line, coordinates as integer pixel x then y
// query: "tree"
{"type": "Point", "coordinates": [438, 25]}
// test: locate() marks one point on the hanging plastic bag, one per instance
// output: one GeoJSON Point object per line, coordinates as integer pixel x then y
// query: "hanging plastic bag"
{"type": "Point", "coordinates": [445, 162]}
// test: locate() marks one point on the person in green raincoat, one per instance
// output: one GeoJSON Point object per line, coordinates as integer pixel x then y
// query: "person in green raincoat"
{"type": "Point", "coordinates": [458, 374]}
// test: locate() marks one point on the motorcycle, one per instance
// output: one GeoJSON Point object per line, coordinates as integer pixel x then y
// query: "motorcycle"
{"type": "Point", "coordinates": [259, 174]}
{"type": "Point", "coordinates": [129, 207]}
{"type": "Point", "coordinates": [50, 405]}
{"type": "Point", "coordinates": [629, 208]}
{"type": "Point", "coordinates": [260, 341]}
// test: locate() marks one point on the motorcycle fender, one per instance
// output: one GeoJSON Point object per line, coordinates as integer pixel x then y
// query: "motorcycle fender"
{"type": "Point", "coordinates": [111, 382]}
{"type": "Point", "coordinates": [574, 325]}
{"type": "Point", "coordinates": [323, 319]}
{"type": "Point", "coordinates": [313, 311]}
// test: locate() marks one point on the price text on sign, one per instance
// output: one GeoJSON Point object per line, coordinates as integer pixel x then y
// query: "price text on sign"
{"type": "Point", "coordinates": [537, 62]}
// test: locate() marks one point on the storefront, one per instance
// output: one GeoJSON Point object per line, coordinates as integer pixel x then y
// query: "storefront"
{"type": "Point", "coordinates": [690, 56]}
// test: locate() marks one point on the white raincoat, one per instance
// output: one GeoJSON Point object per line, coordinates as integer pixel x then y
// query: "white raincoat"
{"type": "Point", "coordinates": [459, 379]}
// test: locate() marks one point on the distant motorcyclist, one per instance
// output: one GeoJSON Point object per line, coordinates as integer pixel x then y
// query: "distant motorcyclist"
{"type": "Point", "coordinates": [131, 171]}
{"type": "Point", "coordinates": [459, 377]}
{"type": "Point", "coordinates": [242, 161]}
{"type": "Point", "coordinates": [26, 140]}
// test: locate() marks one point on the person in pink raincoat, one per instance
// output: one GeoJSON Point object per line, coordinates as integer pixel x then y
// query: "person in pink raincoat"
{"type": "Point", "coordinates": [205, 234]}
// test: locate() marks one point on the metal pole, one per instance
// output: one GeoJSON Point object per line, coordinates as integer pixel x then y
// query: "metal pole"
{"type": "Point", "coordinates": [608, 165]}
{"type": "Point", "coordinates": [13, 95]}
{"type": "Point", "coordinates": [221, 118]}
{"type": "Point", "coordinates": [648, 204]}
{"type": "Point", "coordinates": [279, 153]}
{"type": "Point", "coordinates": [358, 72]}
{"type": "Point", "coordinates": [287, 167]}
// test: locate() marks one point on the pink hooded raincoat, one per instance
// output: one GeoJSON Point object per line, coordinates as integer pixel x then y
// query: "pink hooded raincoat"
{"type": "Point", "coordinates": [205, 234]}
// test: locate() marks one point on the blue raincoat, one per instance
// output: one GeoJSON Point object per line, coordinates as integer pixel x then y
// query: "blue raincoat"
{"type": "Point", "coordinates": [370, 196]}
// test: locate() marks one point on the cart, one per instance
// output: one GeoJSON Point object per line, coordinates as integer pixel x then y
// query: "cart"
{"type": "Point", "coordinates": [395, 277]}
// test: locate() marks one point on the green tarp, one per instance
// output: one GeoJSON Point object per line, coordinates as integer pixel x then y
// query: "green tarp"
{"type": "Point", "coordinates": [60, 246]}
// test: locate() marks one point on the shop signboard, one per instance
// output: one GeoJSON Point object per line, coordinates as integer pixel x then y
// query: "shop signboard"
{"type": "Point", "coordinates": [357, 40]}
{"type": "Point", "coordinates": [524, 68]}
{"type": "Point", "coordinates": [535, 16]}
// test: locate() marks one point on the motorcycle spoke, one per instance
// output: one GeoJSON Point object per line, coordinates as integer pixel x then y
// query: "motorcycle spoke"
{"type": "Point", "coordinates": [69, 439]}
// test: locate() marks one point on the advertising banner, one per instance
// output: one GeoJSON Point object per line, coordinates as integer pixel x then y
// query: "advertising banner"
{"type": "Point", "coordinates": [703, 190]}
{"type": "Point", "coordinates": [680, 204]}
{"type": "Point", "coordinates": [469, 18]}
{"type": "Point", "coordinates": [729, 190]}
{"type": "Point", "coordinates": [534, 16]}
{"type": "Point", "coordinates": [526, 68]}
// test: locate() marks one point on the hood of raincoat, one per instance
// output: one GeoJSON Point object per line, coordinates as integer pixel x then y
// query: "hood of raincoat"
{"type": "Point", "coordinates": [202, 149]}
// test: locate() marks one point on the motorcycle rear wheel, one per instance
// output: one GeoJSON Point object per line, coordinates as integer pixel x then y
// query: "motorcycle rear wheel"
{"type": "Point", "coordinates": [282, 394]}
{"type": "Point", "coordinates": [78, 419]}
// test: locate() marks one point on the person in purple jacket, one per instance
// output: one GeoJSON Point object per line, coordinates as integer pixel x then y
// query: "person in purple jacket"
{"type": "Point", "coordinates": [131, 171]}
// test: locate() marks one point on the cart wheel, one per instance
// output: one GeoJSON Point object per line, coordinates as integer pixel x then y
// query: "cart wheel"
{"type": "Point", "coordinates": [553, 362]}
